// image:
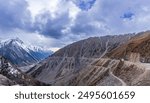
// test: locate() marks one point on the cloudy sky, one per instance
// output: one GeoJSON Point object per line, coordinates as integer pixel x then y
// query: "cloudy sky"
{"type": "Point", "coordinates": [53, 24]}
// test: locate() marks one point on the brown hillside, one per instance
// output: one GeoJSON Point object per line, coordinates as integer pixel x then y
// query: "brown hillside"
{"type": "Point", "coordinates": [137, 46]}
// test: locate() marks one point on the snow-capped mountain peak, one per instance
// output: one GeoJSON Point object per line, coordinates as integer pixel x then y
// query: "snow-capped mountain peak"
{"type": "Point", "coordinates": [19, 53]}
{"type": "Point", "coordinates": [10, 41]}
{"type": "Point", "coordinates": [18, 42]}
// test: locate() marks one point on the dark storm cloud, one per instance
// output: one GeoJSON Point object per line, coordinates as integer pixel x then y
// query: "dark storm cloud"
{"type": "Point", "coordinates": [14, 14]}
{"type": "Point", "coordinates": [49, 26]}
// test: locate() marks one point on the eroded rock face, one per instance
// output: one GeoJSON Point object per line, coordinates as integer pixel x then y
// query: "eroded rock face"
{"type": "Point", "coordinates": [113, 61]}
{"type": "Point", "coordinates": [56, 68]}
{"type": "Point", "coordinates": [102, 72]}
{"type": "Point", "coordinates": [107, 72]}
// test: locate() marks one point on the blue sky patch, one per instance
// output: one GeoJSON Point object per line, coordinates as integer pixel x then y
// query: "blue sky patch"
{"type": "Point", "coordinates": [85, 4]}
{"type": "Point", "coordinates": [128, 15]}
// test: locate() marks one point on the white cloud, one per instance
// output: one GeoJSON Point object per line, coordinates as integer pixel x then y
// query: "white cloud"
{"type": "Point", "coordinates": [102, 19]}
{"type": "Point", "coordinates": [57, 23]}
{"type": "Point", "coordinates": [34, 39]}
{"type": "Point", "coordinates": [37, 6]}
{"type": "Point", "coordinates": [109, 15]}
{"type": "Point", "coordinates": [54, 7]}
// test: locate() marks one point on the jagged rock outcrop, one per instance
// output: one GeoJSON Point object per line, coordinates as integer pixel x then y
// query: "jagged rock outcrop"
{"type": "Point", "coordinates": [11, 75]}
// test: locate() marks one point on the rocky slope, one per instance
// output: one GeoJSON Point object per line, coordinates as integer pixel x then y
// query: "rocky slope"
{"type": "Point", "coordinates": [103, 61]}
{"type": "Point", "coordinates": [93, 47]}
{"type": "Point", "coordinates": [11, 75]}
{"type": "Point", "coordinates": [58, 67]}
{"type": "Point", "coordinates": [137, 49]}
{"type": "Point", "coordinates": [101, 72]}
{"type": "Point", "coordinates": [107, 72]}
{"type": "Point", "coordinates": [4, 81]}
{"type": "Point", "coordinates": [86, 63]}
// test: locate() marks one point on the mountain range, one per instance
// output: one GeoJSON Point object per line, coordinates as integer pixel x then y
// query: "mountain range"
{"type": "Point", "coordinates": [107, 60]}
{"type": "Point", "coordinates": [114, 60]}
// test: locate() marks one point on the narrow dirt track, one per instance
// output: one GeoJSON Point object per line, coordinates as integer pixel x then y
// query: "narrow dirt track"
{"type": "Point", "coordinates": [111, 70]}
{"type": "Point", "coordinates": [123, 83]}
{"type": "Point", "coordinates": [112, 66]}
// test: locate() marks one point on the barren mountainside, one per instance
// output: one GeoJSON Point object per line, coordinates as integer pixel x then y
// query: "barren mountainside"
{"type": "Point", "coordinates": [92, 47]}
{"type": "Point", "coordinates": [136, 48]}
{"type": "Point", "coordinates": [98, 61]}
{"type": "Point", "coordinates": [73, 58]}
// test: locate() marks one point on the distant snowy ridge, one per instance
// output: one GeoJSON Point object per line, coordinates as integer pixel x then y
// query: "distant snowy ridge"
{"type": "Point", "coordinates": [21, 54]}
{"type": "Point", "coordinates": [21, 44]}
